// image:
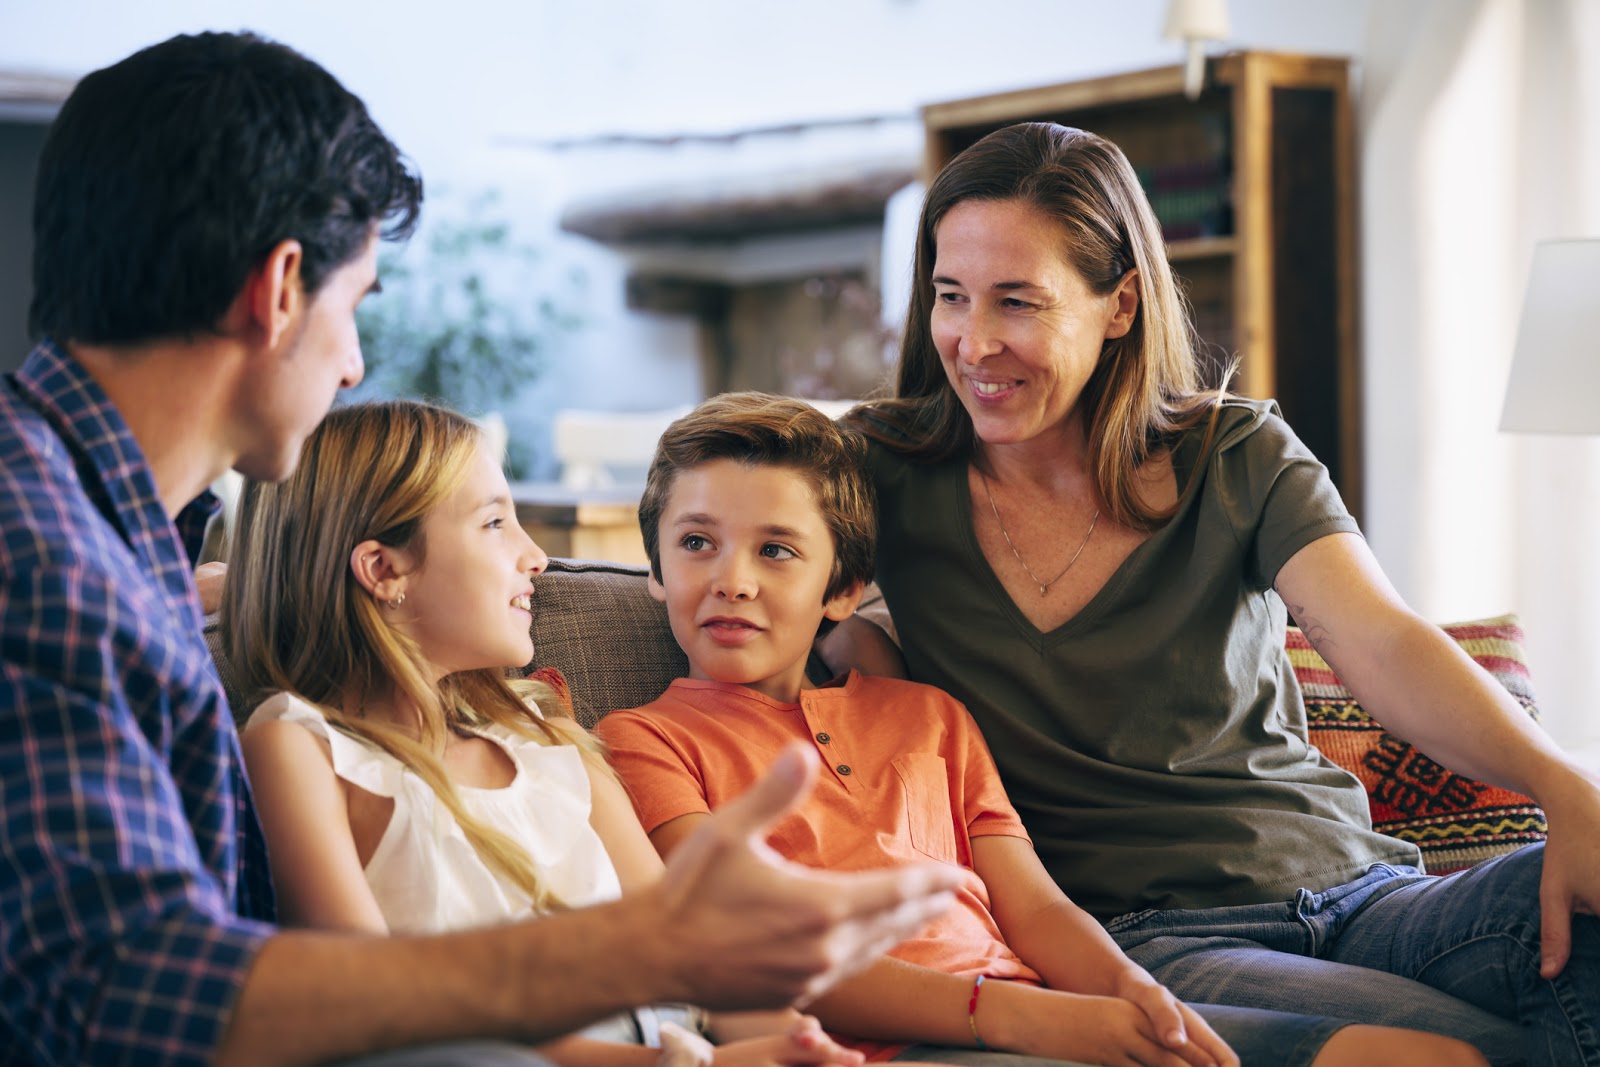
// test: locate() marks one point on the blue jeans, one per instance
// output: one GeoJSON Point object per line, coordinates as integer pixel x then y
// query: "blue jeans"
{"type": "Point", "coordinates": [1260, 1038]}
{"type": "Point", "coordinates": [1456, 955]}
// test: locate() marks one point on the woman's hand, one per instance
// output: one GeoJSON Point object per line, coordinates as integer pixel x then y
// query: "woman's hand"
{"type": "Point", "coordinates": [803, 1043]}
{"type": "Point", "coordinates": [1571, 879]}
{"type": "Point", "coordinates": [857, 643]}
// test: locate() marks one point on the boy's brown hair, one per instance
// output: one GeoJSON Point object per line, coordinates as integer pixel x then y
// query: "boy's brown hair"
{"type": "Point", "coordinates": [758, 429]}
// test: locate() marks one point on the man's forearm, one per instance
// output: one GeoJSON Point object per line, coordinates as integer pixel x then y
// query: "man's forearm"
{"type": "Point", "coordinates": [311, 997]}
{"type": "Point", "coordinates": [730, 925]}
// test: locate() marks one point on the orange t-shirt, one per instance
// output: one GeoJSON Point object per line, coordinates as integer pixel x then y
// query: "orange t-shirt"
{"type": "Point", "coordinates": [908, 778]}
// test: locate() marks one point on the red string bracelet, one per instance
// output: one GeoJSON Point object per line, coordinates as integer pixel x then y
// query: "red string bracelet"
{"type": "Point", "coordinates": [972, 1012]}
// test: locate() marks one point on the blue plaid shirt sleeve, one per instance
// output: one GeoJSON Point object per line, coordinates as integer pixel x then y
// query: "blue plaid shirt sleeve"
{"type": "Point", "coordinates": [119, 945]}
{"type": "Point", "coordinates": [129, 853]}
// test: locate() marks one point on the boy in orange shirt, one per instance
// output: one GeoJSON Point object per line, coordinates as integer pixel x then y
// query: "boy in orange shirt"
{"type": "Point", "coordinates": [758, 519]}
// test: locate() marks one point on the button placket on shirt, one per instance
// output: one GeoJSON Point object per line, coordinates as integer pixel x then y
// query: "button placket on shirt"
{"type": "Point", "coordinates": [827, 739]}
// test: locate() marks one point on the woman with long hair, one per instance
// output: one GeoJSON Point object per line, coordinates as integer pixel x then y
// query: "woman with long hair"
{"type": "Point", "coordinates": [1095, 554]}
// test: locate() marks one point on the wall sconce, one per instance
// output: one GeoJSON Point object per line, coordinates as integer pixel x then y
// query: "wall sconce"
{"type": "Point", "coordinates": [1195, 22]}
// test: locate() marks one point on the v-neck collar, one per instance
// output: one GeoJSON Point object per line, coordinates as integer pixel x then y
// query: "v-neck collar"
{"type": "Point", "coordinates": [1185, 458]}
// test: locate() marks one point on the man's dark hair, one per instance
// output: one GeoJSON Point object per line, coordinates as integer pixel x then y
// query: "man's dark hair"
{"type": "Point", "coordinates": [171, 175]}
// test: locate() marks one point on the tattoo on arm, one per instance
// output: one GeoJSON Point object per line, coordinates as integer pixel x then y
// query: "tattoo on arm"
{"type": "Point", "coordinates": [1320, 636]}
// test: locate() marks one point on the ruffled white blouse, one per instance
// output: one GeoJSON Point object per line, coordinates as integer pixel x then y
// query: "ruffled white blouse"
{"type": "Point", "coordinates": [426, 876]}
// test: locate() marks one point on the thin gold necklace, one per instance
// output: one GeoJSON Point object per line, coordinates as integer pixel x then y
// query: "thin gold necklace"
{"type": "Point", "coordinates": [1043, 586]}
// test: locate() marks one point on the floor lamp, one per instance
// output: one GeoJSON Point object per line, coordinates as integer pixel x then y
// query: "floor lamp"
{"type": "Point", "coordinates": [1555, 372]}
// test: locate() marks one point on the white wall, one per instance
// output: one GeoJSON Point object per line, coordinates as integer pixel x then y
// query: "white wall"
{"type": "Point", "coordinates": [1482, 136]}
{"type": "Point", "coordinates": [448, 81]}
{"type": "Point", "coordinates": [470, 88]}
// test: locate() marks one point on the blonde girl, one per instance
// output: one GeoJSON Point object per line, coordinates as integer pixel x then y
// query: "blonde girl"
{"type": "Point", "coordinates": [406, 783]}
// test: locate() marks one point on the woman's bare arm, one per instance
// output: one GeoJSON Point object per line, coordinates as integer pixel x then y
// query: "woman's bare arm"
{"type": "Point", "coordinates": [1425, 689]}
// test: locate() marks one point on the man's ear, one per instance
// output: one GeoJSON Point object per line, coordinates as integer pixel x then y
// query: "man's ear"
{"type": "Point", "coordinates": [273, 295]}
{"type": "Point", "coordinates": [841, 607]}
{"type": "Point", "coordinates": [380, 569]}
{"type": "Point", "coordinates": [657, 590]}
{"type": "Point", "coordinates": [1124, 305]}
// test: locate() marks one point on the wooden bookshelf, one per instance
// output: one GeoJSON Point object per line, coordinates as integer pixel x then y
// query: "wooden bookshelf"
{"type": "Point", "coordinates": [1254, 183]}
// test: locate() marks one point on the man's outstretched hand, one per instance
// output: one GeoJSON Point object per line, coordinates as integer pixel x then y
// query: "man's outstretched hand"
{"type": "Point", "coordinates": [745, 928]}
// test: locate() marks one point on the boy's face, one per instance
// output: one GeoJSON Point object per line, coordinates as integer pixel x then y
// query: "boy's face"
{"type": "Point", "coordinates": [745, 562]}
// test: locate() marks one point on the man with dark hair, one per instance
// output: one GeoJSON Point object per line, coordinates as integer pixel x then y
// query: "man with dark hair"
{"type": "Point", "coordinates": [207, 218]}
{"type": "Point", "coordinates": [167, 177]}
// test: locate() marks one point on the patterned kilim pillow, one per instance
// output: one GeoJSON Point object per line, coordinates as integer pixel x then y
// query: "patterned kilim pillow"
{"type": "Point", "coordinates": [1454, 820]}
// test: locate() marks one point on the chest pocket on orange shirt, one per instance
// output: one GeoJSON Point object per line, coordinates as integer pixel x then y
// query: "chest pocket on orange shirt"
{"type": "Point", "coordinates": [927, 790]}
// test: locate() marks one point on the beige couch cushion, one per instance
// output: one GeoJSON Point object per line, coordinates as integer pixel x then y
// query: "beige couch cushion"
{"type": "Point", "coordinates": [597, 624]}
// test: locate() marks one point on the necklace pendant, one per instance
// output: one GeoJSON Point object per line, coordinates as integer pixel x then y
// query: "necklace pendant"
{"type": "Point", "coordinates": [1044, 587]}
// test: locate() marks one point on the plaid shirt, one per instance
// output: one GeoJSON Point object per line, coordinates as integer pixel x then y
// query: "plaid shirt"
{"type": "Point", "coordinates": [132, 868]}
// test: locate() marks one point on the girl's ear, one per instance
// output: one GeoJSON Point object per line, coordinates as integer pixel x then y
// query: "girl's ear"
{"type": "Point", "coordinates": [841, 607]}
{"type": "Point", "coordinates": [380, 569]}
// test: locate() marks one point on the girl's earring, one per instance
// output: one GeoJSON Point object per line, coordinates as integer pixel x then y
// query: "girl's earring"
{"type": "Point", "coordinates": [396, 602]}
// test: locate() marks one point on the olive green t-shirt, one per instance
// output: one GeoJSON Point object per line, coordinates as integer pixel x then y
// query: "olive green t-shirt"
{"type": "Point", "coordinates": [1155, 743]}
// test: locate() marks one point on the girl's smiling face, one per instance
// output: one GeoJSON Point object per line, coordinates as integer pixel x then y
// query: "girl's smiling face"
{"type": "Point", "coordinates": [469, 600]}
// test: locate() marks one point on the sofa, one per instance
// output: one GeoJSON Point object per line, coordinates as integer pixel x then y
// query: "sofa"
{"type": "Point", "coordinates": [596, 623]}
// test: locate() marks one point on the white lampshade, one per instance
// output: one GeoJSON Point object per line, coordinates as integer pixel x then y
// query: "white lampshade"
{"type": "Point", "coordinates": [1555, 373]}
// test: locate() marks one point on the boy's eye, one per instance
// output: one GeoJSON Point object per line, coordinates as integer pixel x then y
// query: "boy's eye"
{"type": "Point", "coordinates": [776, 552]}
{"type": "Point", "coordinates": [694, 542]}
{"type": "Point", "coordinates": [494, 523]}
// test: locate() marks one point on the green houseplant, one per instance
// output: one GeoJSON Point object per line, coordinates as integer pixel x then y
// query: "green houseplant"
{"type": "Point", "coordinates": [467, 316]}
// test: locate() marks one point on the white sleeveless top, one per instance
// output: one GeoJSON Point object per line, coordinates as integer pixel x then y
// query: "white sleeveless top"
{"type": "Point", "coordinates": [426, 876]}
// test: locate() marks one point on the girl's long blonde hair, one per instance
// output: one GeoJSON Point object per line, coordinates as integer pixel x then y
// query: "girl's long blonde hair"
{"type": "Point", "coordinates": [296, 619]}
{"type": "Point", "coordinates": [1145, 390]}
